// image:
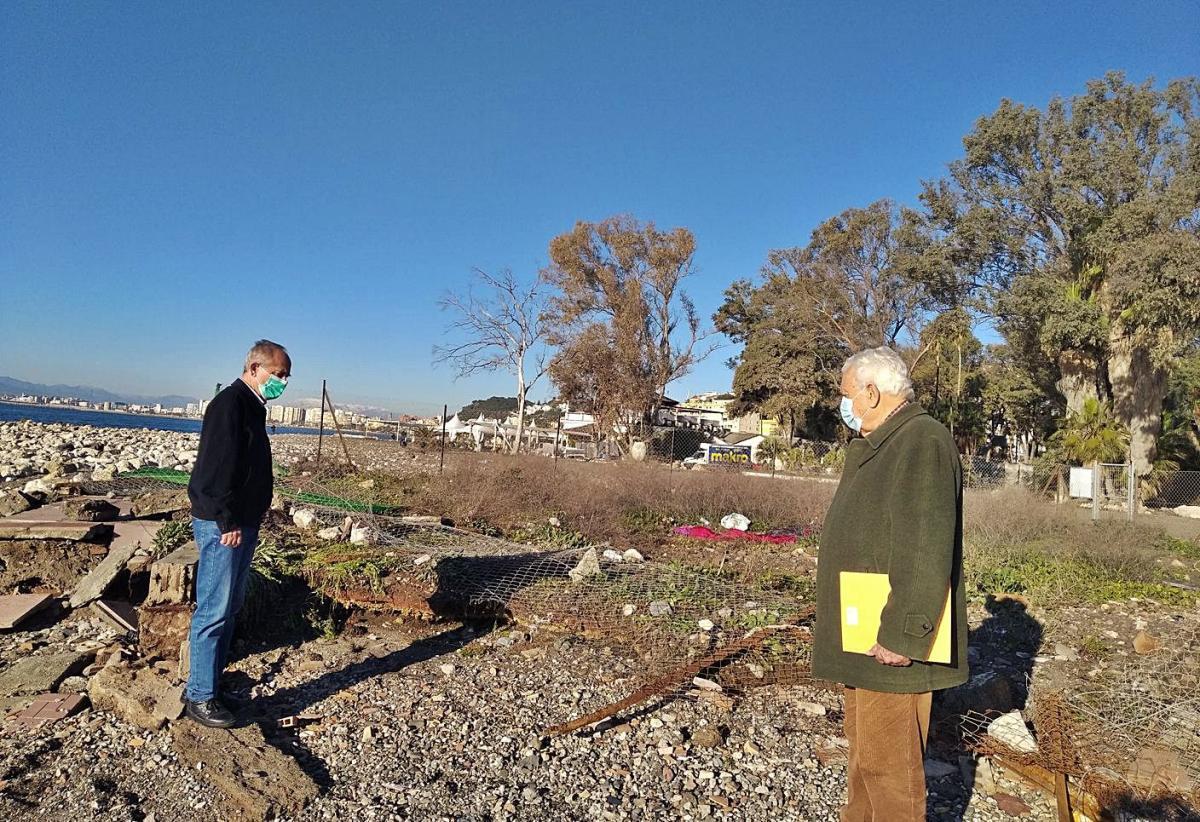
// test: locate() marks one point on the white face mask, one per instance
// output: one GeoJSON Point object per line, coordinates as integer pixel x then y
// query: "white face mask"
{"type": "Point", "coordinates": [852, 420]}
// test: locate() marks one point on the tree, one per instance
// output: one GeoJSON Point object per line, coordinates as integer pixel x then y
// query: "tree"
{"type": "Point", "coordinates": [949, 379]}
{"type": "Point", "coordinates": [1079, 225]}
{"type": "Point", "coordinates": [1092, 435]}
{"type": "Point", "coordinates": [623, 324]}
{"type": "Point", "coordinates": [493, 408]}
{"type": "Point", "coordinates": [850, 288]}
{"type": "Point", "coordinates": [500, 330]}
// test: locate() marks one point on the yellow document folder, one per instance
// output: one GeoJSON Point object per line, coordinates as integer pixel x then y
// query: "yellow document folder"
{"type": "Point", "coordinates": [863, 597]}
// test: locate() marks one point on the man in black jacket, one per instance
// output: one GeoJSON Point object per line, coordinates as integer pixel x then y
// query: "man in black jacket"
{"type": "Point", "coordinates": [230, 490]}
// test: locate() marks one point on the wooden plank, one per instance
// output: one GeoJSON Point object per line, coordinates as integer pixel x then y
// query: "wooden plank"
{"type": "Point", "coordinates": [1083, 803]}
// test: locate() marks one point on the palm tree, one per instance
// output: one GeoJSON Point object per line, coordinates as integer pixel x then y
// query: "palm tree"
{"type": "Point", "coordinates": [1091, 436]}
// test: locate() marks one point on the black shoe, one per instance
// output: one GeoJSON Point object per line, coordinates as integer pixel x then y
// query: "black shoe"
{"type": "Point", "coordinates": [210, 714]}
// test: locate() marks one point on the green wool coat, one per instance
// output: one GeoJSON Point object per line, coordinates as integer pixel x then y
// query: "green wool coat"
{"type": "Point", "coordinates": [897, 511]}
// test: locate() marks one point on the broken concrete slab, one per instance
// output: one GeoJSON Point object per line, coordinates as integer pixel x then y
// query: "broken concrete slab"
{"type": "Point", "coordinates": [56, 511]}
{"type": "Point", "coordinates": [48, 708]}
{"type": "Point", "coordinates": [16, 608]}
{"type": "Point", "coordinates": [38, 674]}
{"type": "Point", "coordinates": [14, 502]}
{"type": "Point", "coordinates": [91, 510]}
{"type": "Point", "coordinates": [93, 586]}
{"type": "Point", "coordinates": [159, 503]}
{"type": "Point", "coordinates": [173, 578]}
{"type": "Point", "coordinates": [256, 779]}
{"type": "Point", "coordinates": [68, 531]}
{"type": "Point", "coordinates": [129, 537]}
{"type": "Point", "coordinates": [141, 697]}
{"type": "Point", "coordinates": [120, 615]}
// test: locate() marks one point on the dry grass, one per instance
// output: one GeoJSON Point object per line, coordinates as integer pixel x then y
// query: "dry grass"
{"type": "Point", "coordinates": [629, 503]}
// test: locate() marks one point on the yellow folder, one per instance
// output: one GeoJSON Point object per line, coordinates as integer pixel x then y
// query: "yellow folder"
{"type": "Point", "coordinates": [863, 597]}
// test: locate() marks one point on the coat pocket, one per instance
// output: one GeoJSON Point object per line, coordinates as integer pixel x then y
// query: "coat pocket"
{"type": "Point", "coordinates": [917, 625]}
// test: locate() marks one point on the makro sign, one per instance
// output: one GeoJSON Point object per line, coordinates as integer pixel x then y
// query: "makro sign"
{"type": "Point", "coordinates": [729, 455]}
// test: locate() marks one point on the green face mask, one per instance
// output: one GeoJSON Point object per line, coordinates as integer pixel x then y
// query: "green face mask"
{"type": "Point", "coordinates": [272, 388]}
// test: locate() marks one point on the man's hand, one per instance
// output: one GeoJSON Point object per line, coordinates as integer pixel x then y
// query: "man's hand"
{"type": "Point", "coordinates": [885, 657]}
{"type": "Point", "coordinates": [232, 539]}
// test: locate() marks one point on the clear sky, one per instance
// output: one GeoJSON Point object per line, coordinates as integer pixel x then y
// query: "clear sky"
{"type": "Point", "coordinates": [179, 179]}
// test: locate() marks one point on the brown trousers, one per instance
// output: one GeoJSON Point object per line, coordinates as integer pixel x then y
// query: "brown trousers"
{"type": "Point", "coordinates": [886, 772]}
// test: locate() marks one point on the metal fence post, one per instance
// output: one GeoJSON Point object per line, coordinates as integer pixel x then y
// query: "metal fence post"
{"type": "Point", "coordinates": [442, 454]}
{"type": "Point", "coordinates": [1095, 491]}
{"type": "Point", "coordinates": [1133, 492]}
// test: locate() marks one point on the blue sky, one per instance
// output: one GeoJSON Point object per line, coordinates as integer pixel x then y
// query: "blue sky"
{"type": "Point", "coordinates": [177, 180]}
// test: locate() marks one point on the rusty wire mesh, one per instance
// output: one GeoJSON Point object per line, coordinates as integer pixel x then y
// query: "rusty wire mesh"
{"type": "Point", "coordinates": [362, 552]}
{"type": "Point", "coordinates": [1130, 734]}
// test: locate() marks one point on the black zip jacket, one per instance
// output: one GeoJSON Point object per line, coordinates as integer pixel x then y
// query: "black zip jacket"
{"type": "Point", "coordinates": [232, 483]}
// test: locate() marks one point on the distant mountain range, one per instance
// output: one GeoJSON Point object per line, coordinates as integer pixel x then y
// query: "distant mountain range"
{"type": "Point", "coordinates": [11, 385]}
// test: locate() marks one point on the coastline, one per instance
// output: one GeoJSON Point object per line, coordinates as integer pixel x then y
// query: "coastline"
{"type": "Point", "coordinates": [134, 414]}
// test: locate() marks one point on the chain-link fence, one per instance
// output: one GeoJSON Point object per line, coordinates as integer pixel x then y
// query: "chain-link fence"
{"type": "Point", "coordinates": [1172, 490]}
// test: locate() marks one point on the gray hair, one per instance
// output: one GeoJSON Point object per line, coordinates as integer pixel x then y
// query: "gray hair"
{"type": "Point", "coordinates": [883, 368]}
{"type": "Point", "coordinates": [264, 351]}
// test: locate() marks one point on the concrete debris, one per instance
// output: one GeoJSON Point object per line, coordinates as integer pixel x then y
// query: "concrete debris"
{"type": "Point", "coordinates": [659, 608]}
{"type": "Point", "coordinates": [91, 510]}
{"type": "Point", "coordinates": [39, 674]}
{"type": "Point", "coordinates": [14, 502]}
{"type": "Point", "coordinates": [364, 535]}
{"type": "Point", "coordinates": [120, 615]}
{"type": "Point", "coordinates": [160, 503]}
{"type": "Point", "coordinates": [1010, 729]}
{"type": "Point", "coordinates": [173, 578]}
{"type": "Point", "coordinates": [57, 531]}
{"type": "Point", "coordinates": [93, 586]}
{"type": "Point", "coordinates": [140, 697]}
{"type": "Point", "coordinates": [16, 608]}
{"type": "Point", "coordinates": [305, 519]}
{"type": "Point", "coordinates": [48, 708]}
{"type": "Point", "coordinates": [588, 565]}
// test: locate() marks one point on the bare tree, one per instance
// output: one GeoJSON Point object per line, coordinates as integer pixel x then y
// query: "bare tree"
{"type": "Point", "coordinates": [498, 321]}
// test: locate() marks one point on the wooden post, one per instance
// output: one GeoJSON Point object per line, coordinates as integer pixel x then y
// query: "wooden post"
{"type": "Point", "coordinates": [338, 428]}
{"type": "Point", "coordinates": [321, 423]}
{"type": "Point", "coordinates": [1096, 485]}
{"type": "Point", "coordinates": [442, 455]}
{"type": "Point", "coordinates": [557, 438]}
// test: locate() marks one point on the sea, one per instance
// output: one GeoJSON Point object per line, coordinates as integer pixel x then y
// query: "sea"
{"type": "Point", "coordinates": [15, 411]}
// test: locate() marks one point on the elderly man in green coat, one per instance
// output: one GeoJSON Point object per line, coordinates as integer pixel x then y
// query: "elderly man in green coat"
{"type": "Point", "coordinates": [897, 512]}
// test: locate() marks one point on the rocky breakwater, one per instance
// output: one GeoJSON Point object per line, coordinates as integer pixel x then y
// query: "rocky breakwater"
{"type": "Point", "coordinates": [30, 449]}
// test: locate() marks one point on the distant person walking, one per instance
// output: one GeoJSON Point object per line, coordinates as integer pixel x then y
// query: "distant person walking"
{"type": "Point", "coordinates": [897, 512]}
{"type": "Point", "coordinates": [230, 490]}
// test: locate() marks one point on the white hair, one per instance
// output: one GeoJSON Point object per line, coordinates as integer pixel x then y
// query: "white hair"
{"type": "Point", "coordinates": [883, 368]}
{"type": "Point", "coordinates": [264, 351]}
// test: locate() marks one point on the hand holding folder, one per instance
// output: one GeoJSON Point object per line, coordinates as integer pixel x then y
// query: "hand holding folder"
{"type": "Point", "coordinates": [863, 596]}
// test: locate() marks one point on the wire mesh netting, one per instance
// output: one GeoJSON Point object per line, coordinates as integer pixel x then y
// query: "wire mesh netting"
{"type": "Point", "coordinates": [1130, 734]}
{"type": "Point", "coordinates": [359, 550]}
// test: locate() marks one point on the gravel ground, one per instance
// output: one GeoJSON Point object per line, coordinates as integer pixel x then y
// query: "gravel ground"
{"type": "Point", "coordinates": [446, 724]}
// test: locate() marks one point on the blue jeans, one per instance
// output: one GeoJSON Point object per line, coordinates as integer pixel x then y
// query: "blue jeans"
{"type": "Point", "coordinates": [221, 577]}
